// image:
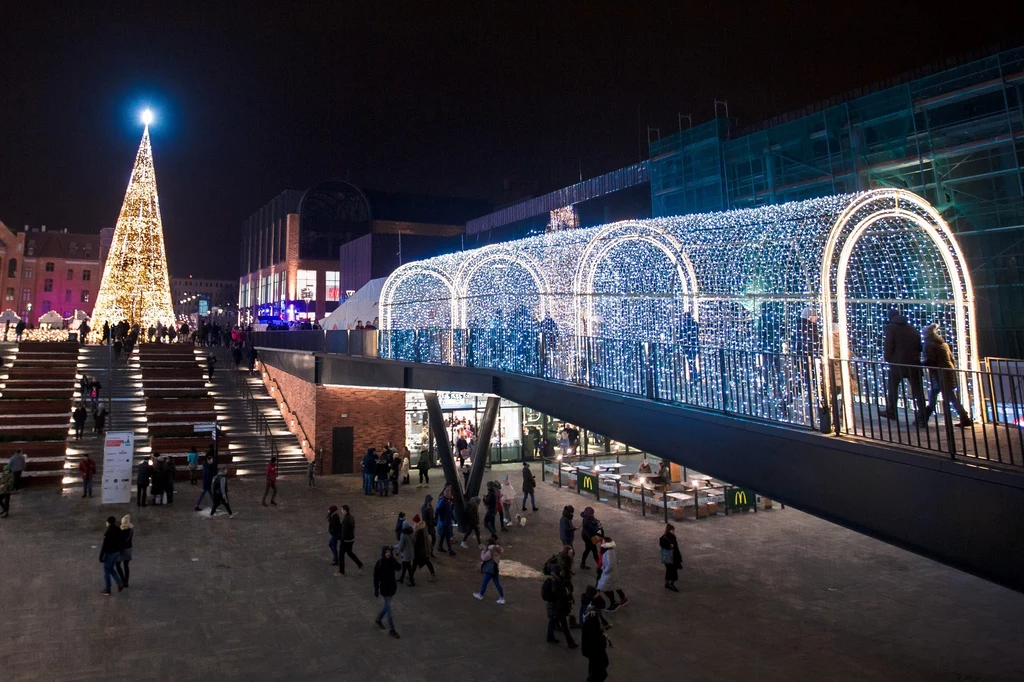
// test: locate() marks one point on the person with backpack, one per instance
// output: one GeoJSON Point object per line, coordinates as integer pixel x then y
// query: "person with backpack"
{"type": "Point", "coordinates": [472, 521]}
{"type": "Point", "coordinates": [220, 494]}
{"type": "Point", "coordinates": [671, 557]}
{"type": "Point", "coordinates": [529, 483]}
{"type": "Point", "coordinates": [348, 541]}
{"type": "Point", "coordinates": [559, 606]}
{"type": "Point", "coordinates": [595, 643]}
{"type": "Point", "coordinates": [430, 521]}
{"type": "Point", "coordinates": [334, 531]}
{"type": "Point", "coordinates": [444, 522]}
{"type": "Point", "coordinates": [490, 560]}
{"type": "Point", "coordinates": [123, 564]}
{"type": "Point", "coordinates": [591, 529]}
{"type": "Point", "coordinates": [609, 581]}
{"type": "Point", "coordinates": [110, 552]}
{"type": "Point", "coordinates": [385, 585]}
{"type": "Point", "coordinates": [421, 550]}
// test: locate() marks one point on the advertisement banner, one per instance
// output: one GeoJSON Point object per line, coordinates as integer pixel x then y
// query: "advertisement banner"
{"type": "Point", "coordinates": [118, 450]}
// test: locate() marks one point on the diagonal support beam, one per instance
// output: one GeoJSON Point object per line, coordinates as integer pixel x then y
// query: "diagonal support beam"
{"type": "Point", "coordinates": [483, 446]}
{"type": "Point", "coordinates": [444, 449]}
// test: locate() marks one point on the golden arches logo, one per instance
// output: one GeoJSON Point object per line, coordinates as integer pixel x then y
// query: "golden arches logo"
{"type": "Point", "coordinates": [740, 498]}
{"type": "Point", "coordinates": [588, 482]}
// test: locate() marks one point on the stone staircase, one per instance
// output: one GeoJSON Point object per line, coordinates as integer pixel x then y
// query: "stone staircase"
{"type": "Point", "coordinates": [252, 420]}
{"type": "Point", "coordinates": [122, 396]}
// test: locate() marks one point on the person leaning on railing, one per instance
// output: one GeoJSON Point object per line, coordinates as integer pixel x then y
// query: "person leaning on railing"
{"type": "Point", "coordinates": [942, 372]}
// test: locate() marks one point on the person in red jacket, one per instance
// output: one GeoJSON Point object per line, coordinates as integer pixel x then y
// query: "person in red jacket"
{"type": "Point", "coordinates": [87, 469]}
{"type": "Point", "coordinates": [271, 482]}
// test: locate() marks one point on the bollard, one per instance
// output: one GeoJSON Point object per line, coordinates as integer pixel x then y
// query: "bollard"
{"type": "Point", "coordinates": [618, 497]}
{"type": "Point", "coordinates": [664, 503]}
{"type": "Point", "coordinates": [643, 501]}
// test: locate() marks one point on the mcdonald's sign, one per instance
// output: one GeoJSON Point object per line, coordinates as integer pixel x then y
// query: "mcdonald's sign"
{"type": "Point", "coordinates": [588, 483]}
{"type": "Point", "coordinates": [741, 498]}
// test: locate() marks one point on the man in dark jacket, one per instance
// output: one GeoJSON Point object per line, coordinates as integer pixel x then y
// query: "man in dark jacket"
{"type": "Point", "coordinates": [110, 552]}
{"type": "Point", "coordinates": [334, 531]}
{"type": "Point", "coordinates": [424, 467]}
{"type": "Point", "coordinates": [79, 416]}
{"type": "Point", "coordinates": [382, 469]}
{"type": "Point", "coordinates": [444, 522]}
{"type": "Point", "coordinates": [369, 469]}
{"type": "Point", "coordinates": [385, 585]}
{"type": "Point", "coordinates": [942, 371]}
{"type": "Point", "coordinates": [566, 528]}
{"type": "Point", "coordinates": [903, 353]}
{"type": "Point", "coordinates": [348, 540]}
{"type": "Point", "coordinates": [559, 606]}
{"type": "Point", "coordinates": [142, 481]}
{"type": "Point", "coordinates": [209, 471]}
{"type": "Point", "coordinates": [591, 529]}
{"type": "Point", "coordinates": [529, 484]}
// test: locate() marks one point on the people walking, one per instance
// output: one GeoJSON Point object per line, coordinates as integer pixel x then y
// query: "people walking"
{"type": "Point", "coordinates": [385, 585]}
{"type": "Point", "coordinates": [271, 482]}
{"type": "Point", "coordinates": [609, 581]}
{"type": "Point", "coordinates": [170, 478]}
{"type": "Point", "coordinates": [193, 464]}
{"type": "Point", "coordinates": [142, 482]}
{"type": "Point", "coordinates": [110, 553]}
{"type": "Point", "coordinates": [423, 465]}
{"type": "Point", "coordinates": [429, 521]}
{"type": "Point", "coordinates": [594, 641]}
{"type": "Point", "coordinates": [79, 416]}
{"type": "Point", "coordinates": [903, 354]}
{"type": "Point", "coordinates": [348, 541]}
{"type": "Point", "coordinates": [220, 494]}
{"type": "Point", "coordinates": [444, 522]}
{"type": "Point", "coordinates": [6, 488]}
{"type": "Point", "coordinates": [406, 551]}
{"type": "Point", "coordinates": [18, 462]}
{"type": "Point", "coordinates": [671, 557]}
{"type": "Point", "coordinates": [399, 524]}
{"type": "Point", "coordinates": [334, 532]}
{"type": "Point", "coordinates": [422, 552]}
{"type": "Point", "coordinates": [591, 529]}
{"type": "Point", "coordinates": [559, 605]}
{"type": "Point", "coordinates": [87, 469]}
{"type": "Point", "coordinates": [471, 522]}
{"type": "Point", "coordinates": [942, 374]}
{"type": "Point", "coordinates": [508, 499]}
{"type": "Point", "coordinates": [99, 418]}
{"type": "Point", "coordinates": [210, 363]}
{"type": "Point", "coordinates": [209, 472]}
{"type": "Point", "coordinates": [382, 468]}
{"type": "Point", "coordinates": [566, 527]}
{"type": "Point", "coordinates": [490, 561]}
{"type": "Point", "coordinates": [123, 564]}
{"type": "Point", "coordinates": [529, 483]}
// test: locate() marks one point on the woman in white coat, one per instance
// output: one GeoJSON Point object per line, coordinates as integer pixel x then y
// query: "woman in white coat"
{"type": "Point", "coordinates": [508, 499]}
{"type": "Point", "coordinates": [609, 581]}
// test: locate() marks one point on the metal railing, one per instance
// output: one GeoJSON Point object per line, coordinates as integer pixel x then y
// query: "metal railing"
{"type": "Point", "coordinates": [256, 415]}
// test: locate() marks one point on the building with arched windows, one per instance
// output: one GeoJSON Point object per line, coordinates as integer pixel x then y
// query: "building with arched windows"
{"type": "Point", "coordinates": [305, 251]}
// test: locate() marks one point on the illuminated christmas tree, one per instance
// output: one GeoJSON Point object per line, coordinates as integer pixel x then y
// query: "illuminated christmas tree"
{"type": "Point", "coordinates": [135, 286]}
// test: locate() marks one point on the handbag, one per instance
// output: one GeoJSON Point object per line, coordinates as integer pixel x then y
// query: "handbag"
{"type": "Point", "coordinates": [666, 556]}
{"type": "Point", "coordinates": [489, 567]}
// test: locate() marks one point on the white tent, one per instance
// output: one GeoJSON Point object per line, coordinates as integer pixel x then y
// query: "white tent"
{"type": "Point", "coordinates": [9, 316]}
{"type": "Point", "coordinates": [53, 319]}
{"type": "Point", "coordinates": [81, 315]}
{"type": "Point", "coordinates": [362, 305]}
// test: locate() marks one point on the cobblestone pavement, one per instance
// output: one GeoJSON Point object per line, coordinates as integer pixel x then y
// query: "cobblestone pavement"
{"type": "Point", "coordinates": [773, 596]}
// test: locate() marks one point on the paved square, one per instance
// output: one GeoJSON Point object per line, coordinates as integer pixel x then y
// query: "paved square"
{"type": "Point", "coordinates": [772, 596]}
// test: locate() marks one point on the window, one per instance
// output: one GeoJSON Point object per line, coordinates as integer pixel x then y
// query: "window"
{"type": "Point", "coordinates": [46, 307]}
{"type": "Point", "coordinates": [86, 275]}
{"type": "Point", "coordinates": [47, 285]}
{"type": "Point", "coordinates": [71, 274]}
{"type": "Point", "coordinates": [9, 296]}
{"type": "Point", "coordinates": [67, 296]}
{"type": "Point", "coordinates": [12, 267]}
{"type": "Point", "coordinates": [27, 272]}
{"type": "Point", "coordinates": [26, 294]}
{"type": "Point", "coordinates": [306, 280]}
{"type": "Point", "coordinates": [85, 295]}
{"type": "Point", "coordinates": [49, 267]}
{"type": "Point", "coordinates": [72, 249]}
{"type": "Point", "coordinates": [333, 288]}
{"type": "Point", "coordinates": [30, 248]}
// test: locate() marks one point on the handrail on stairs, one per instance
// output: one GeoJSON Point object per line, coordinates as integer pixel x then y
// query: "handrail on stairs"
{"type": "Point", "coordinates": [275, 388]}
{"type": "Point", "coordinates": [262, 425]}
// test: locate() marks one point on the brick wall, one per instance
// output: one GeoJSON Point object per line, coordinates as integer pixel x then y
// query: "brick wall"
{"type": "Point", "coordinates": [377, 416]}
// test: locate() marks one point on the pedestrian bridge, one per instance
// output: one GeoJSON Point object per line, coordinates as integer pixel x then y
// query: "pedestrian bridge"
{"type": "Point", "coordinates": [747, 345]}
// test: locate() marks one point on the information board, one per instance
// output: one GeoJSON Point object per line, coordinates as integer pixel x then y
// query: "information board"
{"type": "Point", "coordinates": [118, 451]}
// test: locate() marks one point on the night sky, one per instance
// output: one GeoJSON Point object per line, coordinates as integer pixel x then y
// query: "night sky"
{"type": "Point", "coordinates": [445, 98]}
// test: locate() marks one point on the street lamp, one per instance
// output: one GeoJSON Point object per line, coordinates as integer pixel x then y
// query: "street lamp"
{"type": "Point", "coordinates": [307, 295]}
